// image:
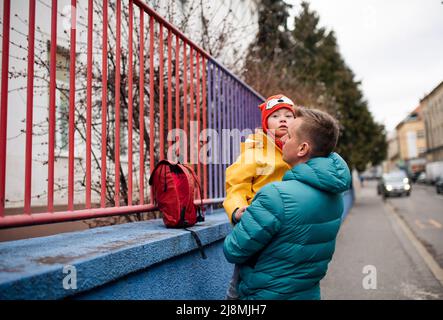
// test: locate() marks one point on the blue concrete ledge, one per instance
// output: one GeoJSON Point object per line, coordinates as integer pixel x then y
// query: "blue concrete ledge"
{"type": "Point", "coordinates": [142, 260]}
{"type": "Point", "coordinates": [348, 202]}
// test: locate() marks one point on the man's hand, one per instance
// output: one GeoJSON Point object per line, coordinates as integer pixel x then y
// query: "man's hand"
{"type": "Point", "coordinates": [239, 213]}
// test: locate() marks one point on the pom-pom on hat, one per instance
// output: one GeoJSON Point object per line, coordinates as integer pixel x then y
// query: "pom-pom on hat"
{"type": "Point", "coordinates": [272, 104]}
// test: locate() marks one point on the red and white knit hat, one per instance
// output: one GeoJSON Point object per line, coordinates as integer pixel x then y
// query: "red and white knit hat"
{"type": "Point", "coordinates": [272, 104]}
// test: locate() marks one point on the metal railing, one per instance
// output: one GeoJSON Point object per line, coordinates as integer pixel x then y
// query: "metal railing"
{"type": "Point", "coordinates": [184, 84]}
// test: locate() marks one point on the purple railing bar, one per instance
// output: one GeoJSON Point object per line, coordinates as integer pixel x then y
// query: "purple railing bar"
{"type": "Point", "coordinates": [224, 126]}
{"type": "Point", "coordinates": [245, 106]}
{"type": "Point", "coordinates": [215, 127]}
{"type": "Point", "coordinates": [240, 114]}
{"type": "Point", "coordinates": [223, 110]}
{"type": "Point", "coordinates": [230, 105]}
{"type": "Point", "coordinates": [220, 126]}
{"type": "Point", "coordinates": [228, 123]}
{"type": "Point", "coordinates": [248, 119]}
{"type": "Point", "coordinates": [234, 122]}
{"type": "Point", "coordinates": [217, 106]}
{"type": "Point", "coordinates": [233, 114]}
{"type": "Point", "coordinates": [246, 109]}
{"type": "Point", "coordinates": [250, 122]}
{"type": "Point", "coordinates": [240, 109]}
{"type": "Point", "coordinates": [237, 108]}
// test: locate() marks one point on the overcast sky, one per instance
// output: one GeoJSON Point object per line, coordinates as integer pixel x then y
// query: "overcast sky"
{"type": "Point", "coordinates": [395, 47]}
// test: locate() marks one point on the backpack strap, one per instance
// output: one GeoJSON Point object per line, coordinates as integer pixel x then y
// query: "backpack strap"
{"type": "Point", "coordinates": [199, 243]}
{"type": "Point", "coordinates": [191, 188]}
{"type": "Point", "coordinates": [197, 181]}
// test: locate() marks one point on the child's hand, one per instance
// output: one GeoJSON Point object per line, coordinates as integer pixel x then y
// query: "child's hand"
{"type": "Point", "coordinates": [284, 138]}
{"type": "Point", "coordinates": [239, 213]}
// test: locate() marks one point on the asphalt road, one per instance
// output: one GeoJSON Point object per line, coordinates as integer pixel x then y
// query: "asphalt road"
{"type": "Point", "coordinates": [423, 212]}
{"type": "Point", "coordinates": [380, 244]}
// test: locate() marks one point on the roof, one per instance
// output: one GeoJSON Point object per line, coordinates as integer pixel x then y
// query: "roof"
{"type": "Point", "coordinates": [414, 115]}
{"type": "Point", "coordinates": [433, 91]}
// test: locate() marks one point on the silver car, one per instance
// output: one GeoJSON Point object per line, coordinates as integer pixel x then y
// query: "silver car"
{"type": "Point", "coordinates": [394, 183]}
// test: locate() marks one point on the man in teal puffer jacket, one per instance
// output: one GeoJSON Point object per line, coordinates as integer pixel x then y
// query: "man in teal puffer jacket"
{"type": "Point", "coordinates": [286, 237]}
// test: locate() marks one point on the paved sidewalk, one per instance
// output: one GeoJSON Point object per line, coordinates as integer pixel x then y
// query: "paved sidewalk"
{"type": "Point", "coordinates": [371, 235]}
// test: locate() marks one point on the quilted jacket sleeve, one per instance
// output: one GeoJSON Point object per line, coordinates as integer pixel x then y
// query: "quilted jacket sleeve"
{"type": "Point", "coordinates": [260, 222]}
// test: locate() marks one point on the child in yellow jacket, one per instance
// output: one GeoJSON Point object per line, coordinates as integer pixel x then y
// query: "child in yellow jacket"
{"type": "Point", "coordinates": [260, 162]}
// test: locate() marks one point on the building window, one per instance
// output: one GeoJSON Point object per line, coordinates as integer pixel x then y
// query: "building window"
{"type": "Point", "coordinates": [61, 96]}
{"type": "Point", "coordinates": [62, 116]}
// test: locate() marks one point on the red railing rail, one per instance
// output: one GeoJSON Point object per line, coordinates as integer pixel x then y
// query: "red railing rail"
{"type": "Point", "coordinates": [187, 74]}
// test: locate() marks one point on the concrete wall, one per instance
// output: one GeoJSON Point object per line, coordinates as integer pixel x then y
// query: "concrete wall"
{"type": "Point", "coordinates": [141, 260]}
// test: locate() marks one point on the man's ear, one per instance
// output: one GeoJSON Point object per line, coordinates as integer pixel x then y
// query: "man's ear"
{"type": "Point", "coordinates": [303, 149]}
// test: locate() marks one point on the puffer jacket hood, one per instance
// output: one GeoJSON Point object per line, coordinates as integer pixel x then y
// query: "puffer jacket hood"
{"type": "Point", "coordinates": [329, 174]}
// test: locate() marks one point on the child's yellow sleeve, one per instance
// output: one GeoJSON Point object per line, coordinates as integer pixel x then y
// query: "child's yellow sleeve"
{"type": "Point", "coordinates": [239, 179]}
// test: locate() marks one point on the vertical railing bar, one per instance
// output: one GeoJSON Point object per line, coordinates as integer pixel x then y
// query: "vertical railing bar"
{"type": "Point", "coordinates": [215, 130]}
{"type": "Point", "coordinates": [89, 104]}
{"type": "Point", "coordinates": [191, 106]}
{"type": "Point", "coordinates": [4, 102]}
{"type": "Point", "coordinates": [248, 119]}
{"type": "Point", "coordinates": [241, 108]}
{"type": "Point", "coordinates": [177, 94]}
{"type": "Point", "coordinates": [130, 99]}
{"type": "Point", "coordinates": [197, 64]}
{"type": "Point", "coordinates": [229, 114]}
{"type": "Point", "coordinates": [251, 110]}
{"type": "Point", "coordinates": [224, 115]}
{"type": "Point", "coordinates": [234, 121]}
{"type": "Point", "coordinates": [117, 104]}
{"type": "Point", "coordinates": [141, 107]}
{"type": "Point", "coordinates": [185, 104]}
{"type": "Point", "coordinates": [169, 84]}
{"type": "Point", "coordinates": [52, 88]}
{"type": "Point", "coordinates": [236, 110]}
{"type": "Point", "coordinates": [29, 107]}
{"type": "Point", "coordinates": [233, 113]}
{"type": "Point", "coordinates": [72, 104]}
{"type": "Point", "coordinates": [219, 122]}
{"type": "Point", "coordinates": [151, 102]}
{"type": "Point", "coordinates": [205, 112]}
{"type": "Point", "coordinates": [161, 98]}
{"type": "Point", "coordinates": [104, 110]}
{"type": "Point", "coordinates": [237, 119]}
{"type": "Point", "coordinates": [210, 108]}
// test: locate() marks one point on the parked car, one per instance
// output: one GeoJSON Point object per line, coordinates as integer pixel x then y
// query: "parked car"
{"type": "Point", "coordinates": [439, 185]}
{"type": "Point", "coordinates": [433, 171]}
{"type": "Point", "coordinates": [394, 183]}
{"type": "Point", "coordinates": [421, 178]}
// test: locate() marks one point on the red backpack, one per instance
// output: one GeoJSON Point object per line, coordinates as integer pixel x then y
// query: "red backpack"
{"type": "Point", "coordinates": [174, 186]}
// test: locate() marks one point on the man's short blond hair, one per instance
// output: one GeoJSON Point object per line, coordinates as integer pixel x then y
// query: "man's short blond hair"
{"type": "Point", "coordinates": [319, 128]}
